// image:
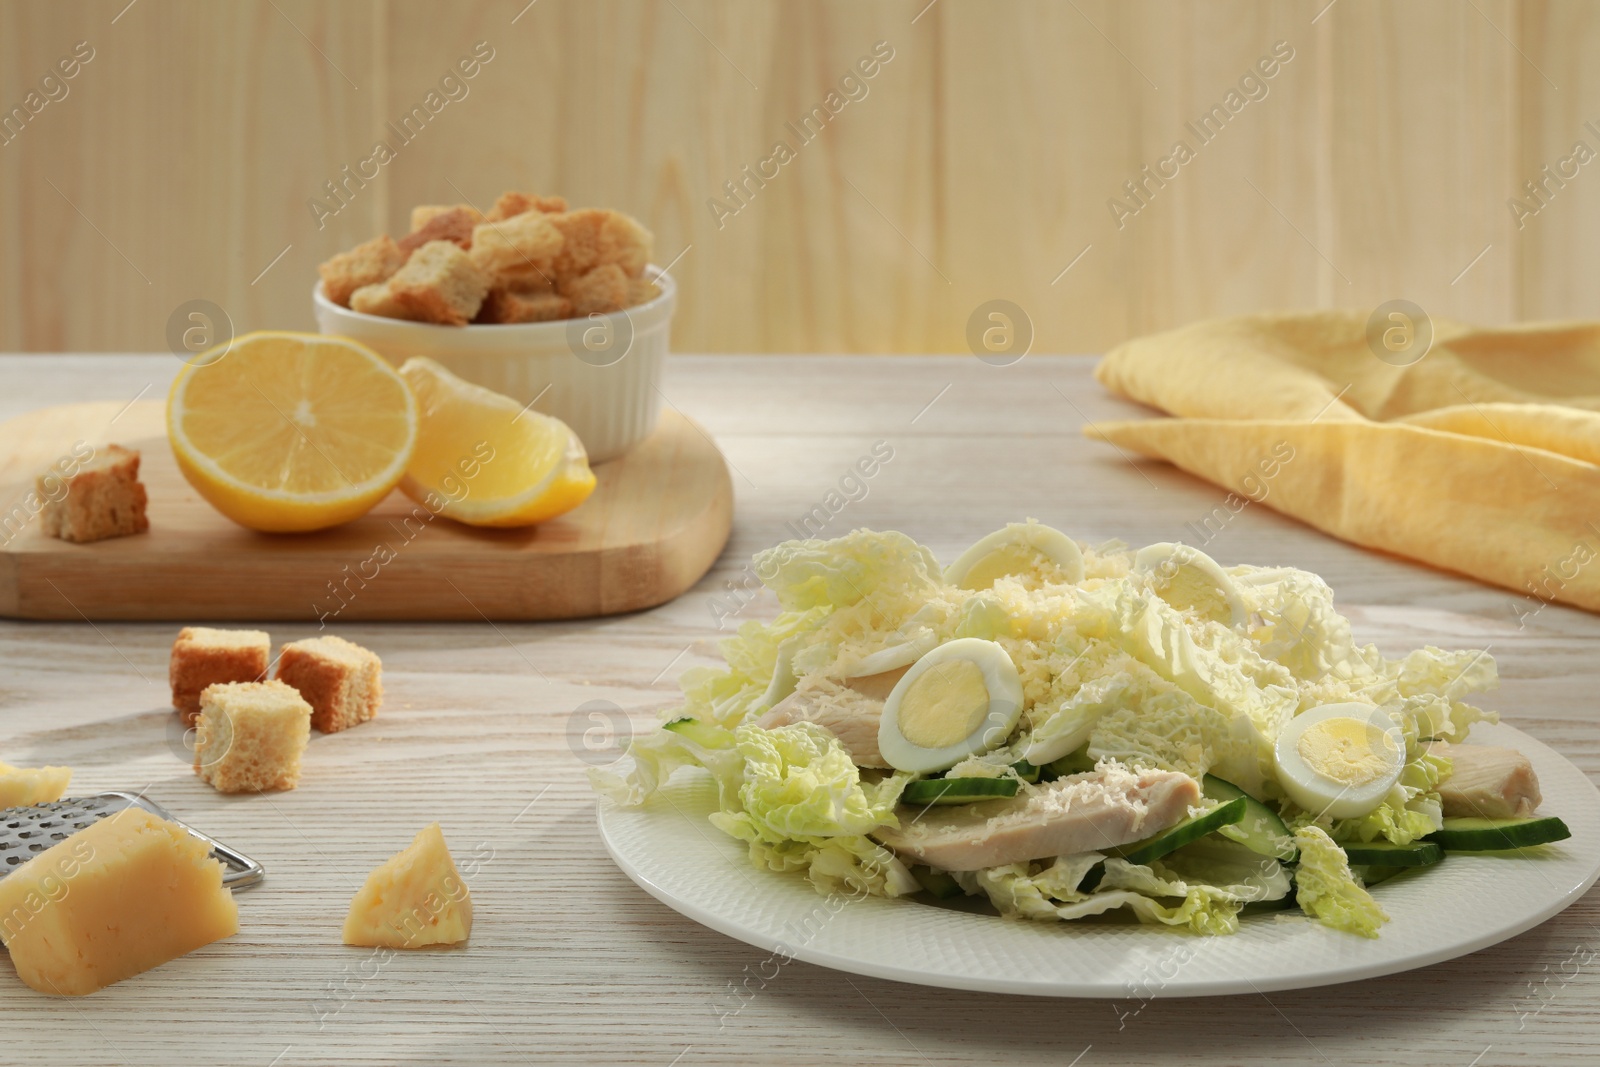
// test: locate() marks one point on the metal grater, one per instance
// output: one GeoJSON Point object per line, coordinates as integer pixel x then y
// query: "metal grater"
{"type": "Point", "coordinates": [25, 832]}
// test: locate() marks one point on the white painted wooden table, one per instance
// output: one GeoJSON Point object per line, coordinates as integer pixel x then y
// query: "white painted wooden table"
{"type": "Point", "coordinates": [569, 961]}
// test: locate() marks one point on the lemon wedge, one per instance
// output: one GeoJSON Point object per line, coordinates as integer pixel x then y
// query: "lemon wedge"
{"type": "Point", "coordinates": [486, 460]}
{"type": "Point", "coordinates": [288, 432]}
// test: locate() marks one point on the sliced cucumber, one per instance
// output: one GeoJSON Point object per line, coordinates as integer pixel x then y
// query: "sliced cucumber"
{"type": "Point", "coordinates": [1497, 835]}
{"type": "Point", "coordinates": [935, 882]}
{"type": "Point", "coordinates": [1266, 907]}
{"type": "Point", "coordinates": [1028, 772]}
{"type": "Point", "coordinates": [1388, 854]}
{"type": "Point", "coordinates": [1078, 762]}
{"type": "Point", "coordinates": [1372, 875]}
{"type": "Point", "coordinates": [958, 790]}
{"type": "Point", "coordinates": [1191, 829]}
{"type": "Point", "coordinates": [1261, 830]}
{"type": "Point", "coordinates": [1091, 878]}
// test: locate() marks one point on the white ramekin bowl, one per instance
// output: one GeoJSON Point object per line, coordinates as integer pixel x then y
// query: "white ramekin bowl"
{"type": "Point", "coordinates": [600, 375]}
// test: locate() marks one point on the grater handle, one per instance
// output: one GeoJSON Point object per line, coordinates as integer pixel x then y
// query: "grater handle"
{"type": "Point", "coordinates": [242, 871]}
{"type": "Point", "coordinates": [38, 826]}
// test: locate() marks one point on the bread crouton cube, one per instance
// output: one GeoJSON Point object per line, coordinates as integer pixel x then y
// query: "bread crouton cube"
{"type": "Point", "coordinates": [342, 681]}
{"type": "Point", "coordinates": [623, 240]}
{"type": "Point", "coordinates": [509, 306]}
{"type": "Point", "coordinates": [454, 225]}
{"type": "Point", "coordinates": [250, 736]}
{"type": "Point", "coordinates": [423, 214]}
{"type": "Point", "coordinates": [102, 498]}
{"type": "Point", "coordinates": [513, 203]}
{"type": "Point", "coordinates": [378, 300]}
{"type": "Point", "coordinates": [595, 236]}
{"type": "Point", "coordinates": [642, 291]}
{"type": "Point", "coordinates": [440, 284]}
{"type": "Point", "coordinates": [203, 657]}
{"type": "Point", "coordinates": [365, 264]}
{"type": "Point", "coordinates": [530, 284]}
{"type": "Point", "coordinates": [520, 247]}
{"type": "Point", "coordinates": [601, 291]}
{"type": "Point", "coordinates": [580, 241]}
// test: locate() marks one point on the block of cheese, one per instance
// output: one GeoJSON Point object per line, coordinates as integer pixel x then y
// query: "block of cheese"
{"type": "Point", "coordinates": [22, 786]}
{"type": "Point", "coordinates": [416, 898]}
{"type": "Point", "coordinates": [113, 900]}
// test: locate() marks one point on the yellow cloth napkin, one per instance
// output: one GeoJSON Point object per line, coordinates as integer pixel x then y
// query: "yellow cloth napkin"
{"type": "Point", "coordinates": [1483, 457]}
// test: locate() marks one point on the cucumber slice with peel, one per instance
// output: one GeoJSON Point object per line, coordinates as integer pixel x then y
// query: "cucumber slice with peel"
{"type": "Point", "coordinates": [1261, 830]}
{"type": "Point", "coordinates": [1190, 829]}
{"type": "Point", "coordinates": [1388, 854]}
{"type": "Point", "coordinates": [1372, 875]}
{"type": "Point", "coordinates": [958, 790]}
{"type": "Point", "coordinates": [1266, 907]}
{"type": "Point", "coordinates": [1079, 762]}
{"type": "Point", "coordinates": [1498, 835]}
{"type": "Point", "coordinates": [1091, 879]}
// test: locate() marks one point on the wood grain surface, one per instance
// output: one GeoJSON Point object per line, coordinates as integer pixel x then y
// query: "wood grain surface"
{"type": "Point", "coordinates": [488, 728]}
{"type": "Point", "coordinates": [981, 162]}
{"type": "Point", "coordinates": [657, 519]}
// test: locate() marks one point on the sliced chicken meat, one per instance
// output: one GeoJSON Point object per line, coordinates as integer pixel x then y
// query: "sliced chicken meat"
{"type": "Point", "coordinates": [1487, 782]}
{"type": "Point", "coordinates": [848, 710]}
{"type": "Point", "coordinates": [1088, 812]}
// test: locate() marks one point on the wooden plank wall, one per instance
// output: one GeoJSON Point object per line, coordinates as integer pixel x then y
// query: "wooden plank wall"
{"type": "Point", "coordinates": [1377, 162]}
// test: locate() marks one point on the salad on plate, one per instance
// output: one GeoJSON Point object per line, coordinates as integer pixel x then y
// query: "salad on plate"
{"type": "Point", "coordinates": [1071, 731]}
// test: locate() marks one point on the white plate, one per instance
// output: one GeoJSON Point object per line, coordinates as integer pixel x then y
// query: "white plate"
{"type": "Point", "coordinates": [1459, 906]}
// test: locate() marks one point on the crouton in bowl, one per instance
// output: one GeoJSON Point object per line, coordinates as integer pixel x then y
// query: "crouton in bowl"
{"type": "Point", "coordinates": [557, 309]}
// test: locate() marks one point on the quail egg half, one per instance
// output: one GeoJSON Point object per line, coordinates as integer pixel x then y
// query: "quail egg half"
{"type": "Point", "coordinates": [959, 700]}
{"type": "Point", "coordinates": [1017, 549]}
{"type": "Point", "coordinates": [1340, 760]}
{"type": "Point", "coordinates": [1190, 580]}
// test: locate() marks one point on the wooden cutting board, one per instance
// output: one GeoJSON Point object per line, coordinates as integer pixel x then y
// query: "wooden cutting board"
{"type": "Point", "coordinates": [657, 521]}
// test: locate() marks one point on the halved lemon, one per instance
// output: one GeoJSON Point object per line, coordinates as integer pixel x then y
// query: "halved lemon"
{"type": "Point", "coordinates": [287, 432]}
{"type": "Point", "coordinates": [484, 459]}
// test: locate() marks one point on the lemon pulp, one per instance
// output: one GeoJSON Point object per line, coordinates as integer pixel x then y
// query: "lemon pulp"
{"type": "Point", "coordinates": [289, 432]}
{"type": "Point", "coordinates": [484, 459]}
